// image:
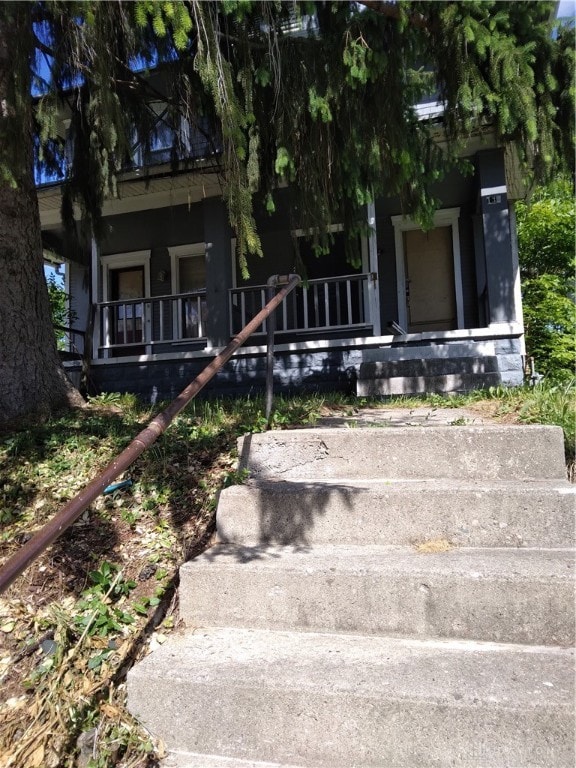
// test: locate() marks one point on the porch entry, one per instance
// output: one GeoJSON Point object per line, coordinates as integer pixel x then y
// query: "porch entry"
{"type": "Point", "coordinates": [127, 284]}
{"type": "Point", "coordinates": [429, 275]}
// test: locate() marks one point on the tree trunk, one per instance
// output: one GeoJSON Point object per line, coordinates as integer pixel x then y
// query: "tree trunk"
{"type": "Point", "coordinates": [32, 380]}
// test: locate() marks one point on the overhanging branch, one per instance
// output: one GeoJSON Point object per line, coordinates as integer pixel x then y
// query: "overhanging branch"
{"type": "Point", "coordinates": [392, 11]}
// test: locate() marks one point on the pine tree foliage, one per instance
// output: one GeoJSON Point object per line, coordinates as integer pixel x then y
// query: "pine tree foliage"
{"type": "Point", "coordinates": [329, 110]}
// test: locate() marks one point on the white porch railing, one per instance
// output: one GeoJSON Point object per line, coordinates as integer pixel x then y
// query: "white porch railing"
{"type": "Point", "coordinates": [332, 303]}
{"type": "Point", "coordinates": [136, 326]}
{"type": "Point", "coordinates": [131, 325]}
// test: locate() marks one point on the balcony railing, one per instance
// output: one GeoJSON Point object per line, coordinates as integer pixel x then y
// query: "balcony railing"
{"type": "Point", "coordinates": [129, 326]}
{"type": "Point", "coordinates": [329, 304]}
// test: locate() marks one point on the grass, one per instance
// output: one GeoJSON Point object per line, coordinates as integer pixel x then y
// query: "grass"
{"type": "Point", "coordinates": [104, 593]}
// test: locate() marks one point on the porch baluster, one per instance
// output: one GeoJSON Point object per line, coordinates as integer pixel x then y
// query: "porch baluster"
{"type": "Point", "coordinates": [349, 300]}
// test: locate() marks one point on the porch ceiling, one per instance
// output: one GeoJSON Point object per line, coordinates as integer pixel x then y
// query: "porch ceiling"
{"type": "Point", "coordinates": [158, 190]}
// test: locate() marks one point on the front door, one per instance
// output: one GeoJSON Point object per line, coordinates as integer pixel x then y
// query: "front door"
{"type": "Point", "coordinates": [430, 285]}
{"type": "Point", "coordinates": [126, 285]}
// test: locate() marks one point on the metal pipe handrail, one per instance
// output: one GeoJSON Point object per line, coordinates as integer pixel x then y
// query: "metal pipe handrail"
{"type": "Point", "coordinates": [68, 515]}
{"type": "Point", "coordinates": [272, 285]}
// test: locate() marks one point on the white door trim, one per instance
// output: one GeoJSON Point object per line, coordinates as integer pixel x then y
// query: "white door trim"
{"type": "Point", "coordinates": [444, 218]}
{"type": "Point", "coordinates": [125, 261]}
{"type": "Point", "coordinates": [178, 252]}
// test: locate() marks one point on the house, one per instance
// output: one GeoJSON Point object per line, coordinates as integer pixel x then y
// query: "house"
{"type": "Point", "coordinates": [159, 294]}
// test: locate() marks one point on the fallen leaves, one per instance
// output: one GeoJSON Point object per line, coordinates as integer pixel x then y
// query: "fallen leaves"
{"type": "Point", "coordinates": [434, 546]}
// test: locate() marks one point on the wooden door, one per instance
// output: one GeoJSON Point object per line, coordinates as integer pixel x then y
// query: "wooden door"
{"type": "Point", "coordinates": [430, 291]}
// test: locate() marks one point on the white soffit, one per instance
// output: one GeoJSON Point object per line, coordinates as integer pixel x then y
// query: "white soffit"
{"type": "Point", "coordinates": [139, 193]}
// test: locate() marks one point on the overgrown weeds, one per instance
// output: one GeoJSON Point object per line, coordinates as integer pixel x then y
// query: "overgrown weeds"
{"type": "Point", "coordinates": [548, 402]}
{"type": "Point", "coordinates": [87, 608]}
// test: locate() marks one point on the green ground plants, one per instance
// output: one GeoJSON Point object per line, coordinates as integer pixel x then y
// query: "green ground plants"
{"type": "Point", "coordinates": [86, 609]}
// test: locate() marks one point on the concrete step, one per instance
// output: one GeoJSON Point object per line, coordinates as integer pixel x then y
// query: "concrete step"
{"type": "Point", "coordinates": [432, 366]}
{"type": "Point", "coordinates": [531, 452]}
{"type": "Point", "coordinates": [467, 514]}
{"type": "Point", "coordinates": [421, 384]}
{"type": "Point", "coordinates": [403, 351]}
{"type": "Point", "coordinates": [339, 701]}
{"type": "Point", "coordinates": [196, 760]}
{"type": "Point", "coordinates": [501, 595]}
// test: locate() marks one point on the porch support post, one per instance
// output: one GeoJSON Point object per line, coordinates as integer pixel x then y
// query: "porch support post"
{"type": "Point", "coordinates": [219, 257]}
{"type": "Point", "coordinates": [373, 284]}
{"type": "Point", "coordinates": [501, 274]}
{"type": "Point", "coordinates": [95, 297]}
{"type": "Point", "coordinates": [516, 268]}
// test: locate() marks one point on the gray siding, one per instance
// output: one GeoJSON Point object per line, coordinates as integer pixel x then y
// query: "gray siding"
{"type": "Point", "coordinates": [156, 228]}
{"type": "Point", "coordinates": [153, 382]}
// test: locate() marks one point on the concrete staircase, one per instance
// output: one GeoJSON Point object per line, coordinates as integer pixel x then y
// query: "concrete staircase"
{"type": "Point", "coordinates": [384, 598]}
{"type": "Point", "coordinates": [437, 367]}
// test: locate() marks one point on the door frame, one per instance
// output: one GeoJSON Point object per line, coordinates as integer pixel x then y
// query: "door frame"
{"type": "Point", "coordinates": [178, 252]}
{"type": "Point", "coordinates": [125, 261]}
{"type": "Point", "coordinates": [447, 217]}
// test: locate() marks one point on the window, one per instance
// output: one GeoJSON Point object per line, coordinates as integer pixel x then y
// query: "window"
{"type": "Point", "coordinates": [189, 285]}
{"type": "Point", "coordinates": [175, 135]}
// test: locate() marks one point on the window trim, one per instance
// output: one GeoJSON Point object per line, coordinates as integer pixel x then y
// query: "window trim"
{"type": "Point", "coordinates": [125, 261]}
{"type": "Point", "coordinates": [178, 252]}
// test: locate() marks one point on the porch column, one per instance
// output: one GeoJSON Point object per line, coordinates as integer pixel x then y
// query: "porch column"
{"type": "Point", "coordinates": [373, 287]}
{"type": "Point", "coordinates": [493, 207]}
{"type": "Point", "coordinates": [95, 297]}
{"type": "Point", "coordinates": [217, 236]}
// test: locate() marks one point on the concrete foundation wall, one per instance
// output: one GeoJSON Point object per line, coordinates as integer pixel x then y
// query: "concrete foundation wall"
{"type": "Point", "coordinates": [154, 381]}
{"type": "Point", "coordinates": [321, 370]}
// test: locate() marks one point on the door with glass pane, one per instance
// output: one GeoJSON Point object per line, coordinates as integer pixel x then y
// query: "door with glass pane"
{"type": "Point", "coordinates": [191, 274]}
{"type": "Point", "coordinates": [127, 285]}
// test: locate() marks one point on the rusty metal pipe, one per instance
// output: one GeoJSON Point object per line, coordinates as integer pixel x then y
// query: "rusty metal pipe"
{"type": "Point", "coordinates": [272, 284]}
{"type": "Point", "coordinates": [68, 515]}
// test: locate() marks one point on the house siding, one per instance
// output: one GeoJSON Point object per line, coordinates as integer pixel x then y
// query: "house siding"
{"type": "Point", "coordinates": [156, 228]}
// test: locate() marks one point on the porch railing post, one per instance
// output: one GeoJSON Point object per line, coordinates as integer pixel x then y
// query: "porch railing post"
{"type": "Point", "coordinates": [271, 325]}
